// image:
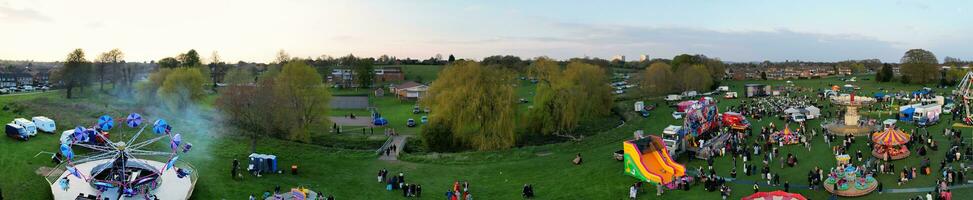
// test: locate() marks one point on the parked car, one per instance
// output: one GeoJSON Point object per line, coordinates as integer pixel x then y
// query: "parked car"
{"type": "Point", "coordinates": [411, 123]}
{"type": "Point", "coordinates": [27, 125]}
{"type": "Point", "coordinates": [415, 110]}
{"type": "Point", "coordinates": [28, 88]}
{"type": "Point", "coordinates": [44, 124]}
{"type": "Point", "coordinates": [17, 132]}
{"type": "Point", "coordinates": [4, 91]}
{"type": "Point", "coordinates": [424, 119]}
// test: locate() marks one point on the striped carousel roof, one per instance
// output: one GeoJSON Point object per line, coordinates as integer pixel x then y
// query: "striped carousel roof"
{"type": "Point", "coordinates": [891, 136]}
{"type": "Point", "coordinates": [775, 195]}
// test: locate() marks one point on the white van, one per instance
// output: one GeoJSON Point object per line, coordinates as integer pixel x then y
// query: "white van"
{"type": "Point", "coordinates": [44, 124]}
{"type": "Point", "coordinates": [673, 97]}
{"type": "Point", "coordinates": [28, 126]}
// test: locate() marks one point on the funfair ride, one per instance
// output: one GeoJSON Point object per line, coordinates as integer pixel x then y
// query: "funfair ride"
{"type": "Point", "coordinates": [121, 170]}
{"type": "Point", "coordinates": [852, 123]}
{"type": "Point", "coordinates": [964, 93]}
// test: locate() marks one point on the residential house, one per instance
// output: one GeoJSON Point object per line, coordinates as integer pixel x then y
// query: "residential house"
{"type": "Point", "coordinates": [410, 90]}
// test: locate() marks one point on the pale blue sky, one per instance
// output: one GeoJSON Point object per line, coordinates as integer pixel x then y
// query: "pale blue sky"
{"type": "Point", "coordinates": [253, 30]}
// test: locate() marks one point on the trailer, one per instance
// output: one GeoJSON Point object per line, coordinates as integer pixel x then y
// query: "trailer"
{"type": "Point", "coordinates": [44, 124]}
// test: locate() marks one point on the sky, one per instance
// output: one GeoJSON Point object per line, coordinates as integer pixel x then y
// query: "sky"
{"type": "Point", "coordinates": [255, 30]}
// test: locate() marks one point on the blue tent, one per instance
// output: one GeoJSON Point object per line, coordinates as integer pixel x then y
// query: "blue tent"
{"type": "Point", "coordinates": [879, 95]}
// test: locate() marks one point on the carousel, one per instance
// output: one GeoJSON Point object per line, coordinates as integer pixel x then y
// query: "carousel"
{"type": "Point", "coordinates": [852, 123]}
{"type": "Point", "coordinates": [122, 169]}
{"type": "Point", "coordinates": [890, 144]}
{"type": "Point", "coordinates": [848, 180]}
{"type": "Point", "coordinates": [775, 195]}
{"type": "Point", "coordinates": [785, 136]}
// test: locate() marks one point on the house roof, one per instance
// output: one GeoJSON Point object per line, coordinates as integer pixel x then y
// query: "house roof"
{"type": "Point", "coordinates": [407, 84]}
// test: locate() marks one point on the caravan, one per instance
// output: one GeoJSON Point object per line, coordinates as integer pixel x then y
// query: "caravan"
{"type": "Point", "coordinates": [27, 125]}
{"type": "Point", "coordinates": [44, 124]}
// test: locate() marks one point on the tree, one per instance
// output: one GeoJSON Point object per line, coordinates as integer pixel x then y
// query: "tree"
{"type": "Point", "coordinates": [658, 79]}
{"type": "Point", "coordinates": [566, 98]}
{"type": "Point", "coordinates": [885, 74]}
{"type": "Point", "coordinates": [920, 66]}
{"type": "Point", "coordinates": [190, 59]}
{"type": "Point", "coordinates": [954, 75]}
{"type": "Point", "coordinates": [303, 100]}
{"type": "Point", "coordinates": [763, 75]}
{"type": "Point", "coordinates": [695, 77]}
{"type": "Point", "coordinates": [451, 58]}
{"type": "Point", "coordinates": [508, 62]}
{"type": "Point", "coordinates": [285, 102]}
{"type": "Point", "coordinates": [148, 90]}
{"type": "Point", "coordinates": [169, 62]}
{"type": "Point", "coordinates": [75, 72]}
{"type": "Point", "coordinates": [217, 69]}
{"type": "Point", "coordinates": [182, 87]}
{"type": "Point", "coordinates": [238, 76]}
{"type": "Point", "coordinates": [282, 57]}
{"type": "Point", "coordinates": [364, 72]}
{"type": "Point", "coordinates": [472, 104]}
{"type": "Point", "coordinates": [108, 63]}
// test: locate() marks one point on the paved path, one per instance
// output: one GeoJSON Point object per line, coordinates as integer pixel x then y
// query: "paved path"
{"type": "Point", "coordinates": [399, 142]}
{"type": "Point", "coordinates": [763, 185]}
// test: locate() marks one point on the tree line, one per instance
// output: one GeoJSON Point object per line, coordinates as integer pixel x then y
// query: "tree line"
{"type": "Point", "coordinates": [77, 72]}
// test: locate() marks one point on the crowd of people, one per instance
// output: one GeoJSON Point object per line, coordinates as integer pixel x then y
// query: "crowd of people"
{"type": "Point", "coordinates": [397, 182]}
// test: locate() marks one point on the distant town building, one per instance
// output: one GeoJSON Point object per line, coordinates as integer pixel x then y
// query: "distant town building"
{"type": "Point", "coordinates": [618, 58]}
{"type": "Point", "coordinates": [643, 57]}
{"type": "Point", "coordinates": [345, 77]}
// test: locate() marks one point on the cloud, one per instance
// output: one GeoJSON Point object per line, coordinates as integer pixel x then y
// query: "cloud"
{"type": "Point", "coordinates": [8, 13]}
{"type": "Point", "coordinates": [576, 39]}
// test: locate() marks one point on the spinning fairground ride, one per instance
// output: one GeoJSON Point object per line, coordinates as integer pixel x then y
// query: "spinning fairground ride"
{"type": "Point", "coordinates": [122, 169]}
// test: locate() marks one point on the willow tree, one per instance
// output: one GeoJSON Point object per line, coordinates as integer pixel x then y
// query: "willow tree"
{"type": "Point", "coordinates": [565, 98]}
{"type": "Point", "coordinates": [472, 105]}
{"type": "Point", "coordinates": [657, 79]}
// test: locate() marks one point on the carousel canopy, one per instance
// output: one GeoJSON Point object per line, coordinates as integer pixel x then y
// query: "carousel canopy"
{"type": "Point", "coordinates": [890, 136]}
{"type": "Point", "coordinates": [775, 195]}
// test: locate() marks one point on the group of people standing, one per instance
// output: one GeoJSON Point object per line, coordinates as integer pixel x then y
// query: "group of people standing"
{"type": "Point", "coordinates": [396, 182]}
{"type": "Point", "coordinates": [460, 191]}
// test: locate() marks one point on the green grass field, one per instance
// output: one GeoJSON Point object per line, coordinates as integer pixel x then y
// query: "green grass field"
{"type": "Point", "coordinates": [350, 174]}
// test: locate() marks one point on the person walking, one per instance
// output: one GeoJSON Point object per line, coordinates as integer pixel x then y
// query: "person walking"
{"type": "Point", "coordinates": [233, 171]}
{"type": "Point", "coordinates": [658, 189]}
{"type": "Point", "coordinates": [631, 192]}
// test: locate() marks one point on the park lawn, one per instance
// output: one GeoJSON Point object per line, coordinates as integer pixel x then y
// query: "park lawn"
{"type": "Point", "coordinates": [349, 174]}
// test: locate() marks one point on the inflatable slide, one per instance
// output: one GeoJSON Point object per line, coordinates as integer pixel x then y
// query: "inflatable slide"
{"type": "Point", "coordinates": [648, 159]}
